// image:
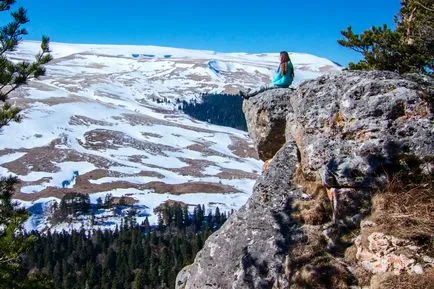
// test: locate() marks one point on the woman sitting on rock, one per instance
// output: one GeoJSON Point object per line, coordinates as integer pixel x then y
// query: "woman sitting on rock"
{"type": "Point", "coordinates": [283, 78]}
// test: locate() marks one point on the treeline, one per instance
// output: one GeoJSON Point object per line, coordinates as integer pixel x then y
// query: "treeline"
{"type": "Point", "coordinates": [219, 109]}
{"type": "Point", "coordinates": [131, 257]}
{"type": "Point", "coordinates": [75, 204]}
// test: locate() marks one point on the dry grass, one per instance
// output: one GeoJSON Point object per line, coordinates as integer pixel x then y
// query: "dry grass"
{"type": "Point", "coordinates": [404, 281]}
{"type": "Point", "coordinates": [405, 211]}
{"type": "Point", "coordinates": [308, 264]}
{"type": "Point", "coordinates": [315, 211]}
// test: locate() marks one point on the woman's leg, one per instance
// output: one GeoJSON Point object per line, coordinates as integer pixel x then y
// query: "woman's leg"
{"type": "Point", "coordinates": [256, 92]}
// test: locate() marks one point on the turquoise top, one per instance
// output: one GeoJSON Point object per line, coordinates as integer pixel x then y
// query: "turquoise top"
{"type": "Point", "coordinates": [285, 80]}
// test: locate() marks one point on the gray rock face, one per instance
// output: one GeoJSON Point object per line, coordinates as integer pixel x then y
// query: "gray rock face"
{"type": "Point", "coordinates": [266, 120]}
{"type": "Point", "coordinates": [341, 133]}
{"type": "Point", "coordinates": [351, 127]}
{"type": "Point", "coordinates": [249, 250]}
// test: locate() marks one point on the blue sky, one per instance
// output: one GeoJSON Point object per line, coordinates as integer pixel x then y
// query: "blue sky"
{"type": "Point", "coordinates": [220, 25]}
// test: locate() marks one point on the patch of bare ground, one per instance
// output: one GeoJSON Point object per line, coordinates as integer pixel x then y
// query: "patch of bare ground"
{"type": "Point", "coordinates": [83, 188]}
{"type": "Point", "coordinates": [205, 149]}
{"type": "Point", "coordinates": [4, 152]}
{"type": "Point", "coordinates": [158, 187]}
{"type": "Point", "coordinates": [168, 204]}
{"type": "Point", "coordinates": [124, 200]}
{"type": "Point", "coordinates": [194, 128]}
{"type": "Point", "coordinates": [76, 83]}
{"type": "Point", "coordinates": [24, 101]}
{"type": "Point", "coordinates": [162, 110]}
{"type": "Point", "coordinates": [87, 121]}
{"type": "Point", "coordinates": [191, 187]}
{"type": "Point", "coordinates": [95, 175]}
{"type": "Point", "coordinates": [66, 58]}
{"type": "Point", "coordinates": [195, 167]}
{"type": "Point", "coordinates": [230, 174]}
{"type": "Point", "coordinates": [101, 139]}
{"type": "Point", "coordinates": [51, 101]}
{"type": "Point", "coordinates": [83, 185]}
{"type": "Point", "coordinates": [232, 89]}
{"type": "Point", "coordinates": [242, 148]}
{"type": "Point", "coordinates": [198, 147]}
{"type": "Point", "coordinates": [140, 119]}
{"type": "Point", "coordinates": [150, 174]}
{"type": "Point", "coordinates": [40, 86]}
{"type": "Point", "coordinates": [137, 159]}
{"type": "Point", "coordinates": [43, 159]}
{"type": "Point", "coordinates": [150, 134]}
{"type": "Point", "coordinates": [198, 77]}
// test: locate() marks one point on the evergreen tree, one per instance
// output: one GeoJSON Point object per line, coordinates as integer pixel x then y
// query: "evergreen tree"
{"type": "Point", "coordinates": [12, 75]}
{"type": "Point", "coordinates": [140, 280]}
{"type": "Point", "coordinates": [408, 48]}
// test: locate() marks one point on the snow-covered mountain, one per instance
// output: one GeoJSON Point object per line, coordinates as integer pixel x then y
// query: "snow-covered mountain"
{"type": "Point", "coordinates": [94, 124]}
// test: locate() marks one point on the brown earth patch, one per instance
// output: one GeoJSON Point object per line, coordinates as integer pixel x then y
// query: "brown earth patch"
{"type": "Point", "coordinates": [37, 182]}
{"type": "Point", "coordinates": [230, 174]}
{"type": "Point", "coordinates": [83, 180]}
{"type": "Point", "coordinates": [87, 121]}
{"type": "Point", "coordinates": [242, 148]}
{"type": "Point", "coordinates": [124, 200]}
{"type": "Point", "coordinates": [195, 167]}
{"type": "Point", "coordinates": [197, 147]}
{"type": "Point", "coordinates": [100, 139]}
{"type": "Point", "coordinates": [51, 101]}
{"type": "Point", "coordinates": [150, 134]}
{"type": "Point", "coordinates": [136, 159]}
{"type": "Point", "coordinates": [232, 89]}
{"type": "Point", "coordinates": [206, 150]}
{"type": "Point", "coordinates": [95, 175]}
{"type": "Point", "coordinates": [4, 152]}
{"type": "Point", "coordinates": [192, 187]}
{"type": "Point", "coordinates": [84, 187]}
{"type": "Point", "coordinates": [193, 128]}
{"type": "Point", "coordinates": [198, 78]}
{"type": "Point", "coordinates": [150, 174]}
{"type": "Point", "coordinates": [43, 159]}
{"type": "Point", "coordinates": [141, 119]}
{"type": "Point", "coordinates": [168, 204]}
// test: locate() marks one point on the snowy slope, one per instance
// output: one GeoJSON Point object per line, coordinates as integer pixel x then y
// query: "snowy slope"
{"type": "Point", "coordinates": [93, 125]}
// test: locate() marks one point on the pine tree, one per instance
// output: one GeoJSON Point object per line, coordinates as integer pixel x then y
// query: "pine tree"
{"type": "Point", "coordinates": [408, 48]}
{"type": "Point", "coordinates": [12, 76]}
{"type": "Point", "coordinates": [140, 280]}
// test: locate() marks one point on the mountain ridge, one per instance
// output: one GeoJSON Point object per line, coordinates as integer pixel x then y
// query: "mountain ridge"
{"type": "Point", "coordinates": [110, 118]}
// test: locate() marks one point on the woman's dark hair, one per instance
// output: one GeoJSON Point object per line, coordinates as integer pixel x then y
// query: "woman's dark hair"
{"type": "Point", "coordinates": [284, 59]}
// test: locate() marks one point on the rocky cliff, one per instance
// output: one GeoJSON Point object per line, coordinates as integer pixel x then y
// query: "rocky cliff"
{"type": "Point", "coordinates": [347, 198]}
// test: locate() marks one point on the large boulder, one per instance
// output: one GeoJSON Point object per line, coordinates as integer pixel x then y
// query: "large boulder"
{"type": "Point", "coordinates": [266, 120]}
{"type": "Point", "coordinates": [332, 142]}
